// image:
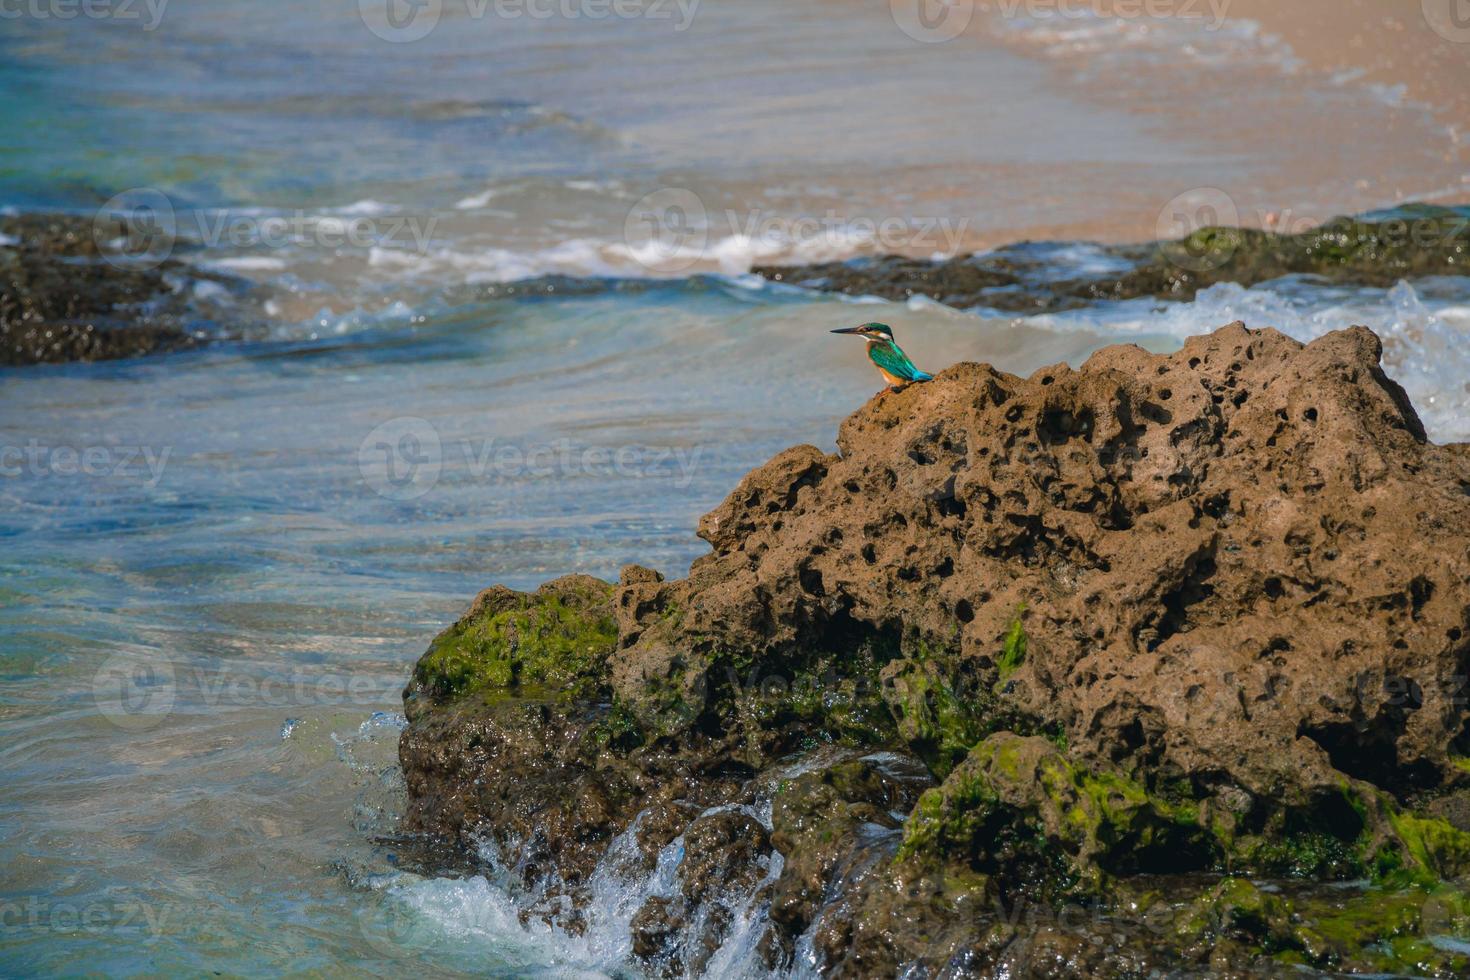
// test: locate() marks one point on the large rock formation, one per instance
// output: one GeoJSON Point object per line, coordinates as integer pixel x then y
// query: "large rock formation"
{"type": "Point", "coordinates": [1103, 636]}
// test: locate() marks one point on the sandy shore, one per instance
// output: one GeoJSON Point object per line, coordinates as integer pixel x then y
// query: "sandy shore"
{"type": "Point", "coordinates": [1390, 41]}
{"type": "Point", "coordinates": [1328, 106]}
{"type": "Point", "coordinates": [1420, 47]}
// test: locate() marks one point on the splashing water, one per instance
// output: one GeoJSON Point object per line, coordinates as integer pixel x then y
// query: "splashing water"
{"type": "Point", "coordinates": [281, 597]}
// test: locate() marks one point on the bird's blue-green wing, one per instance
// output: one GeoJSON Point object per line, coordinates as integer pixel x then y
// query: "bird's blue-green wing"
{"type": "Point", "coordinates": [892, 359]}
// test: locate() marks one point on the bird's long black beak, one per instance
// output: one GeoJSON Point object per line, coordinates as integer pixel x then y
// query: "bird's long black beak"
{"type": "Point", "coordinates": [849, 330]}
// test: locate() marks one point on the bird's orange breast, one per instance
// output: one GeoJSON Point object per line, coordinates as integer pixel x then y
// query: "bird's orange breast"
{"type": "Point", "coordinates": [894, 381]}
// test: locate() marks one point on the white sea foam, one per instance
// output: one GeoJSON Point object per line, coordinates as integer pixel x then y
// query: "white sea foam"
{"type": "Point", "coordinates": [731, 255]}
{"type": "Point", "coordinates": [365, 206]}
{"type": "Point", "coordinates": [613, 186]}
{"type": "Point", "coordinates": [574, 257]}
{"type": "Point", "coordinates": [1112, 40]}
{"type": "Point", "coordinates": [477, 200]}
{"type": "Point", "coordinates": [247, 263]}
{"type": "Point", "coordinates": [483, 914]}
{"type": "Point", "coordinates": [207, 289]}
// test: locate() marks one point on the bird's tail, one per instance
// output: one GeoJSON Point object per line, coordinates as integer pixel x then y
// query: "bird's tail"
{"type": "Point", "coordinates": [923, 376]}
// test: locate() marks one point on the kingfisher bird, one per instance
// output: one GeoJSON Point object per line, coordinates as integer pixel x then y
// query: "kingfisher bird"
{"type": "Point", "coordinates": [887, 356]}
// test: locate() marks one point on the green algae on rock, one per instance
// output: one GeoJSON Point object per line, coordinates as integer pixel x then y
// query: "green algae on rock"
{"type": "Point", "coordinates": [555, 640]}
{"type": "Point", "coordinates": [935, 721]}
{"type": "Point", "coordinates": [1013, 652]}
{"type": "Point", "coordinates": [1232, 667]}
{"type": "Point", "coordinates": [1017, 808]}
{"type": "Point", "coordinates": [1416, 241]}
{"type": "Point", "coordinates": [1077, 826]}
{"type": "Point", "coordinates": [1348, 930]}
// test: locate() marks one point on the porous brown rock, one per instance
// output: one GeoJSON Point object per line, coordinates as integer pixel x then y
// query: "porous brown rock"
{"type": "Point", "coordinates": [1200, 613]}
{"type": "Point", "coordinates": [1241, 563]}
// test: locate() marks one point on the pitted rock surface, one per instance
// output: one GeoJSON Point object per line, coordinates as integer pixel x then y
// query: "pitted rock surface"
{"type": "Point", "coordinates": [1131, 635]}
{"type": "Point", "coordinates": [1241, 563]}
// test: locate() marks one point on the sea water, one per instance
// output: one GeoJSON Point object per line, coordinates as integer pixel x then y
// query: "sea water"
{"type": "Point", "coordinates": [219, 566]}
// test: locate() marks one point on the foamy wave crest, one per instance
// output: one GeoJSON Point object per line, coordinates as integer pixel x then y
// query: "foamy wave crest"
{"type": "Point", "coordinates": [1206, 40]}
{"type": "Point", "coordinates": [479, 200]}
{"type": "Point", "coordinates": [575, 257]}
{"type": "Point", "coordinates": [731, 255]}
{"type": "Point", "coordinates": [738, 253]}
{"type": "Point", "coordinates": [247, 263]}
{"type": "Point", "coordinates": [365, 206]}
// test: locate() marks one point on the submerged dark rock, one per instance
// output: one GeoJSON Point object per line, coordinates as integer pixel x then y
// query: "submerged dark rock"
{"type": "Point", "coordinates": [1116, 640]}
{"type": "Point", "coordinates": [1422, 241]}
{"type": "Point", "coordinates": [64, 297]}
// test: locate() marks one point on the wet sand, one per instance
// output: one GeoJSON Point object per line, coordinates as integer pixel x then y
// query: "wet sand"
{"type": "Point", "coordinates": [1328, 106]}
{"type": "Point", "coordinates": [1390, 41]}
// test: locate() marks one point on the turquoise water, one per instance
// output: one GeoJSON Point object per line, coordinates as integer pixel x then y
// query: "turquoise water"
{"type": "Point", "coordinates": [162, 627]}
{"type": "Point", "coordinates": [219, 567]}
